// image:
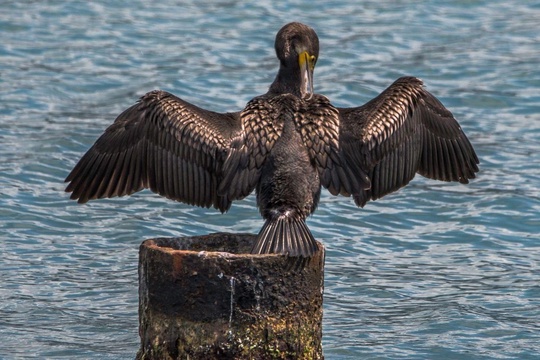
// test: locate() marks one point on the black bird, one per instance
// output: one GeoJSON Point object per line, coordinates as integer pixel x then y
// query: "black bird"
{"type": "Point", "coordinates": [285, 144]}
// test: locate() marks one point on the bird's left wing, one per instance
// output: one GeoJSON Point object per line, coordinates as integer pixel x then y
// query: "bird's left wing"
{"type": "Point", "coordinates": [162, 143]}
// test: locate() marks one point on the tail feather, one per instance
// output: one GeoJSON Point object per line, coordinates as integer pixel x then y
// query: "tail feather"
{"type": "Point", "coordinates": [285, 235]}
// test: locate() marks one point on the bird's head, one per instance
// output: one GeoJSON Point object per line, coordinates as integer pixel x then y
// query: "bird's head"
{"type": "Point", "coordinates": [297, 48]}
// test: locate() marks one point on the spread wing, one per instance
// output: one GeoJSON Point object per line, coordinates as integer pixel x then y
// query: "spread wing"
{"type": "Point", "coordinates": [403, 131]}
{"type": "Point", "coordinates": [161, 143]}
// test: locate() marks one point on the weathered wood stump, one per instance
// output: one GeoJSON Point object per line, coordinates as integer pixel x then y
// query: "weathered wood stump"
{"type": "Point", "coordinates": [206, 297]}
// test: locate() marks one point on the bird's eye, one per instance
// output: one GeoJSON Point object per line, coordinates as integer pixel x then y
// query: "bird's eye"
{"type": "Point", "coordinates": [312, 58]}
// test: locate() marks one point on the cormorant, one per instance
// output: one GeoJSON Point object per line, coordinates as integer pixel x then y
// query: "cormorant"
{"type": "Point", "coordinates": [285, 144]}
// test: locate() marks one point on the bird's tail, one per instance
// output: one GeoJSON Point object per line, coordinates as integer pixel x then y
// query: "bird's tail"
{"type": "Point", "coordinates": [287, 235]}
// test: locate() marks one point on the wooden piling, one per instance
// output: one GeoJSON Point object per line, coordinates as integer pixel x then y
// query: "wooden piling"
{"type": "Point", "coordinates": [206, 297]}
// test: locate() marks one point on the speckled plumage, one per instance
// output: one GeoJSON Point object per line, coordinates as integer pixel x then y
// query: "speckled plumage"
{"type": "Point", "coordinates": [285, 144]}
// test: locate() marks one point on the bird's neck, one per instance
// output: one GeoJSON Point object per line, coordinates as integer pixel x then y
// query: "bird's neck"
{"type": "Point", "coordinates": [287, 81]}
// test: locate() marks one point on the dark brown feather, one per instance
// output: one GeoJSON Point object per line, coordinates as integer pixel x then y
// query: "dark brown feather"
{"type": "Point", "coordinates": [262, 124]}
{"type": "Point", "coordinates": [150, 144]}
{"type": "Point", "coordinates": [403, 131]}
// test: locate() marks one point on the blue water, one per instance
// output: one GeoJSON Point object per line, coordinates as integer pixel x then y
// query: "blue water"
{"type": "Point", "coordinates": [434, 271]}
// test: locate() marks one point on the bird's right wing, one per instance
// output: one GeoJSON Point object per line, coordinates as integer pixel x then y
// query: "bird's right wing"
{"type": "Point", "coordinates": [162, 143]}
{"type": "Point", "coordinates": [403, 131]}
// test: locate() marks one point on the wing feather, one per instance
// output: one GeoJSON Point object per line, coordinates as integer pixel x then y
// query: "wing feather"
{"type": "Point", "coordinates": [403, 131]}
{"type": "Point", "coordinates": [162, 143]}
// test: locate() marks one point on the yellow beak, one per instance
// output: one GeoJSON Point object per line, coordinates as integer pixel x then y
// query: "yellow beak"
{"type": "Point", "coordinates": [307, 65]}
